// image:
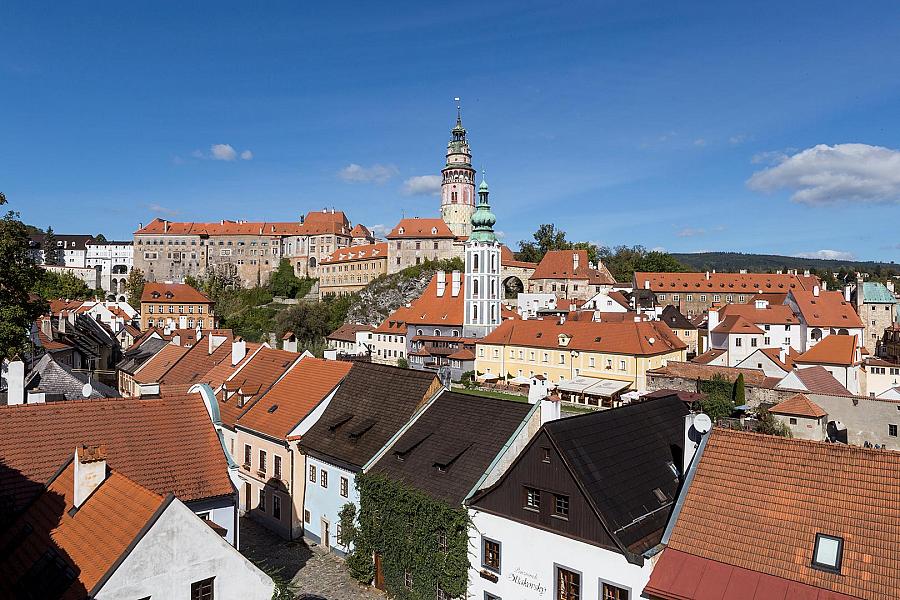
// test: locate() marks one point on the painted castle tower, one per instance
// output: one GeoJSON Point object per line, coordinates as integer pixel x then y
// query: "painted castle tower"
{"type": "Point", "coordinates": [458, 183]}
{"type": "Point", "coordinates": [482, 281]}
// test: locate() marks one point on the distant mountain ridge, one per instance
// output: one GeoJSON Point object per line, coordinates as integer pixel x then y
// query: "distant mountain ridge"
{"type": "Point", "coordinates": [760, 263]}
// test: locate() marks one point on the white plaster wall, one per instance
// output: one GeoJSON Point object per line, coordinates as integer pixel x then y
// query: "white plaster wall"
{"type": "Point", "coordinates": [876, 384]}
{"type": "Point", "coordinates": [866, 419]}
{"type": "Point", "coordinates": [178, 550]}
{"type": "Point", "coordinates": [758, 360]}
{"type": "Point", "coordinates": [528, 560]}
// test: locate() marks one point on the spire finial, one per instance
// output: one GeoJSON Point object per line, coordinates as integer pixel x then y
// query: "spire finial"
{"type": "Point", "coordinates": [458, 111]}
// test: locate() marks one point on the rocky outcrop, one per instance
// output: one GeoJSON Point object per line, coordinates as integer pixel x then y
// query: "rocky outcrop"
{"type": "Point", "coordinates": [385, 295]}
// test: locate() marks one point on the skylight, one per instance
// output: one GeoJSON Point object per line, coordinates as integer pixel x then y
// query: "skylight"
{"type": "Point", "coordinates": [828, 552]}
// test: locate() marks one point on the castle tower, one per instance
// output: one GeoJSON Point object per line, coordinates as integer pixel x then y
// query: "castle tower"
{"type": "Point", "coordinates": [458, 183]}
{"type": "Point", "coordinates": [482, 281]}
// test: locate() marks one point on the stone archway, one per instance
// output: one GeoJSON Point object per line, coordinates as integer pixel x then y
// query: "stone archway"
{"type": "Point", "coordinates": [512, 287]}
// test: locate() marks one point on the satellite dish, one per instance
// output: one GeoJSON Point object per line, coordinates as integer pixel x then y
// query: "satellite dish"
{"type": "Point", "coordinates": [87, 390]}
{"type": "Point", "coordinates": [702, 423]}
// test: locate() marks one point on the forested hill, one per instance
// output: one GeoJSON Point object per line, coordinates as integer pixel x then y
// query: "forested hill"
{"type": "Point", "coordinates": [760, 263]}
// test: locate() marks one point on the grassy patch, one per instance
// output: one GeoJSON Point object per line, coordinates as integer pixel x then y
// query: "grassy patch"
{"type": "Point", "coordinates": [492, 394]}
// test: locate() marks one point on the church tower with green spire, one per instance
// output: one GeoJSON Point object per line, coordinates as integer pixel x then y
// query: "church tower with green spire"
{"type": "Point", "coordinates": [458, 182]}
{"type": "Point", "coordinates": [482, 281]}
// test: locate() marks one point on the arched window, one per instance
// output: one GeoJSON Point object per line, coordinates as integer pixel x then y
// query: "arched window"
{"type": "Point", "coordinates": [474, 263]}
{"type": "Point", "coordinates": [843, 332]}
{"type": "Point", "coordinates": [455, 333]}
{"type": "Point", "coordinates": [474, 312]}
{"type": "Point", "coordinates": [493, 263]}
{"type": "Point", "coordinates": [493, 288]}
{"type": "Point", "coordinates": [493, 313]}
{"type": "Point", "coordinates": [816, 334]}
{"type": "Point", "coordinates": [418, 332]}
{"type": "Point", "coordinates": [474, 288]}
{"type": "Point", "coordinates": [437, 332]}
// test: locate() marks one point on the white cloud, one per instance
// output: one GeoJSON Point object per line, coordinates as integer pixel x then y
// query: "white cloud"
{"type": "Point", "coordinates": [354, 173]}
{"type": "Point", "coordinates": [198, 154]}
{"type": "Point", "coordinates": [825, 174]}
{"type": "Point", "coordinates": [380, 230]}
{"type": "Point", "coordinates": [162, 210]}
{"type": "Point", "coordinates": [827, 255]}
{"type": "Point", "coordinates": [422, 185]}
{"type": "Point", "coordinates": [223, 152]}
{"type": "Point", "coordinates": [500, 234]}
{"type": "Point", "coordinates": [700, 142]}
{"type": "Point", "coordinates": [737, 139]}
{"type": "Point", "coordinates": [690, 232]}
{"type": "Point", "coordinates": [246, 155]}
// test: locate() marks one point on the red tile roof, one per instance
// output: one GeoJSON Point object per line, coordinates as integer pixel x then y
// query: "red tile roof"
{"type": "Point", "coordinates": [90, 541]}
{"type": "Point", "coordinates": [628, 338]}
{"type": "Point", "coordinates": [347, 332]}
{"type": "Point", "coordinates": [253, 377]}
{"type": "Point", "coordinates": [160, 364]}
{"type": "Point", "coordinates": [828, 309]}
{"type": "Point", "coordinates": [737, 283]}
{"type": "Point", "coordinates": [774, 355]}
{"type": "Point", "coordinates": [831, 350]}
{"type": "Point", "coordinates": [694, 371]}
{"type": "Point", "coordinates": [429, 309]}
{"type": "Point", "coordinates": [420, 228]}
{"type": "Point", "coordinates": [356, 254]}
{"type": "Point", "coordinates": [172, 293]}
{"type": "Point", "coordinates": [198, 362]}
{"type": "Point", "coordinates": [756, 502]}
{"type": "Point", "coordinates": [560, 264]}
{"type": "Point", "coordinates": [773, 314]}
{"type": "Point", "coordinates": [315, 223]}
{"type": "Point", "coordinates": [800, 406]}
{"type": "Point", "coordinates": [462, 354]}
{"type": "Point", "coordinates": [165, 444]}
{"type": "Point", "coordinates": [708, 356]}
{"type": "Point", "coordinates": [360, 231]}
{"type": "Point", "coordinates": [736, 324]}
{"type": "Point", "coordinates": [508, 259]}
{"type": "Point", "coordinates": [818, 380]}
{"type": "Point", "coordinates": [282, 408]}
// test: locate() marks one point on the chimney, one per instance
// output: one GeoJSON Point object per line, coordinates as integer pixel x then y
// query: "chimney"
{"type": "Point", "coordinates": [199, 333]}
{"type": "Point", "coordinates": [15, 382]}
{"type": "Point", "coordinates": [889, 284]}
{"type": "Point", "coordinates": [550, 409]}
{"type": "Point", "coordinates": [90, 471]}
{"type": "Point", "coordinates": [816, 291]}
{"type": "Point", "coordinates": [575, 261]}
{"type": "Point", "coordinates": [707, 275]}
{"type": "Point", "coordinates": [47, 327]}
{"type": "Point", "coordinates": [806, 273]}
{"type": "Point", "coordinates": [329, 355]}
{"type": "Point", "coordinates": [782, 355]}
{"type": "Point", "coordinates": [646, 284]}
{"type": "Point", "coordinates": [441, 283]}
{"type": "Point", "coordinates": [562, 319]}
{"type": "Point", "coordinates": [538, 389]}
{"type": "Point", "coordinates": [847, 293]}
{"type": "Point", "coordinates": [238, 352]}
{"type": "Point", "coordinates": [743, 271]}
{"type": "Point", "coordinates": [165, 227]}
{"type": "Point", "coordinates": [692, 438]}
{"type": "Point", "coordinates": [62, 322]}
{"type": "Point", "coordinates": [455, 283]}
{"type": "Point", "coordinates": [712, 319]}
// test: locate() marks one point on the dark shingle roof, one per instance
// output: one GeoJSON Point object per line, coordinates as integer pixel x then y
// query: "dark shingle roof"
{"type": "Point", "coordinates": [369, 407]}
{"type": "Point", "coordinates": [57, 379]}
{"type": "Point", "coordinates": [620, 457]}
{"type": "Point", "coordinates": [135, 357]}
{"type": "Point", "coordinates": [461, 433]}
{"type": "Point", "coordinates": [672, 317]}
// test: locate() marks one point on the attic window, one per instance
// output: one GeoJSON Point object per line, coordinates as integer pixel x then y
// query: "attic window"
{"type": "Point", "coordinates": [400, 231]}
{"type": "Point", "coordinates": [660, 495]}
{"type": "Point", "coordinates": [272, 409]}
{"type": "Point", "coordinates": [358, 431]}
{"type": "Point", "coordinates": [828, 552]}
{"type": "Point", "coordinates": [434, 231]}
{"type": "Point", "coordinates": [339, 421]}
{"type": "Point", "coordinates": [539, 334]}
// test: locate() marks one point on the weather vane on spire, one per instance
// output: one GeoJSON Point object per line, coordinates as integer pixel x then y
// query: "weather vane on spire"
{"type": "Point", "coordinates": [458, 109]}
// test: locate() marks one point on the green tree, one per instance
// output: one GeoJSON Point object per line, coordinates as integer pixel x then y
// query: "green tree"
{"type": "Point", "coordinates": [18, 275]}
{"type": "Point", "coordinates": [62, 285]}
{"type": "Point", "coordinates": [100, 239]}
{"type": "Point", "coordinates": [134, 288]}
{"type": "Point", "coordinates": [717, 397]}
{"type": "Point", "coordinates": [767, 423]}
{"type": "Point", "coordinates": [402, 363]}
{"type": "Point", "coordinates": [51, 251]}
{"type": "Point", "coordinates": [285, 283]}
{"type": "Point", "coordinates": [623, 261]}
{"type": "Point", "coordinates": [740, 393]}
{"type": "Point", "coordinates": [546, 238]}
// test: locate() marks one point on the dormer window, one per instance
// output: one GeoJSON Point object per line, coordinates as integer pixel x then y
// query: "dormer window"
{"type": "Point", "coordinates": [434, 231]}
{"type": "Point", "coordinates": [400, 231]}
{"type": "Point", "coordinates": [828, 552]}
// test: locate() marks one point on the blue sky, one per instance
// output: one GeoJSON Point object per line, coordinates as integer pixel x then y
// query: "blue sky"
{"type": "Point", "coordinates": [751, 126]}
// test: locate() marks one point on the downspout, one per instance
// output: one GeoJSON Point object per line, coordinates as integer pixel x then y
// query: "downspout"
{"type": "Point", "coordinates": [293, 489]}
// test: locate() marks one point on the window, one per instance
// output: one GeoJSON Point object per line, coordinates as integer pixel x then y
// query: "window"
{"type": "Point", "coordinates": [738, 342]}
{"type": "Point", "coordinates": [532, 499]}
{"type": "Point", "coordinates": [306, 516]}
{"type": "Point", "coordinates": [248, 453]}
{"type": "Point", "coordinates": [312, 473]}
{"type": "Point", "coordinates": [621, 365]}
{"type": "Point", "coordinates": [324, 478]}
{"type": "Point", "coordinates": [545, 455]}
{"type": "Point", "coordinates": [345, 487]}
{"type": "Point", "coordinates": [490, 554]}
{"type": "Point", "coordinates": [440, 594]}
{"type": "Point", "coordinates": [612, 592]}
{"type": "Point", "coordinates": [442, 541]}
{"type": "Point", "coordinates": [662, 297]}
{"type": "Point", "coordinates": [407, 580]}
{"type": "Point", "coordinates": [892, 430]}
{"type": "Point", "coordinates": [262, 499]}
{"type": "Point", "coordinates": [767, 341]}
{"type": "Point", "coordinates": [202, 590]}
{"type": "Point", "coordinates": [277, 467]}
{"type": "Point", "coordinates": [262, 461]}
{"type": "Point", "coordinates": [793, 420]}
{"type": "Point", "coordinates": [716, 297]}
{"type": "Point", "coordinates": [753, 342]}
{"type": "Point", "coordinates": [702, 297]}
{"type": "Point", "coordinates": [568, 584]}
{"type": "Point", "coordinates": [827, 553]}
{"type": "Point", "coordinates": [561, 506]}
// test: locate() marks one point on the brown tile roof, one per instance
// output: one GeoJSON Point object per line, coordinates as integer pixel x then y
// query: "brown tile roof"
{"type": "Point", "coordinates": [90, 541]}
{"type": "Point", "coordinates": [617, 338]}
{"type": "Point", "coordinates": [172, 293]}
{"type": "Point", "coordinates": [165, 444]}
{"type": "Point", "coordinates": [708, 356]}
{"type": "Point", "coordinates": [160, 364]}
{"type": "Point", "coordinates": [356, 253]}
{"type": "Point", "coordinates": [758, 501]}
{"type": "Point", "coordinates": [462, 354]}
{"type": "Point", "coordinates": [420, 228]}
{"type": "Point", "coordinates": [818, 380]}
{"type": "Point", "coordinates": [800, 406]}
{"type": "Point", "coordinates": [508, 259]}
{"type": "Point", "coordinates": [774, 355]}
{"type": "Point", "coordinates": [560, 264]}
{"type": "Point", "coordinates": [292, 398]}
{"type": "Point", "coordinates": [689, 370]}
{"type": "Point", "coordinates": [831, 350]}
{"type": "Point", "coordinates": [738, 325]}
{"type": "Point", "coordinates": [372, 404]}
{"type": "Point", "coordinates": [773, 314]}
{"type": "Point", "coordinates": [254, 376]}
{"type": "Point", "coordinates": [315, 223]}
{"type": "Point", "coordinates": [620, 298]}
{"type": "Point", "coordinates": [726, 283]}
{"type": "Point", "coordinates": [198, 362]}
{"type": "Point", "coordinates": [360, 231]}
{"type": "Point", "coordinates": [347, 332]}
{"type": "Point", "coordinates": [216, 376]}
{"type": "Point", "coordinates": [51, 345]}
{"type": "Point", "coordinates": [828, 309]}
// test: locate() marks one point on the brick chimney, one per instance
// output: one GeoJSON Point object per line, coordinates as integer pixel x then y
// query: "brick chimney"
{"type": "Point", "coordinates": [90, 471]}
